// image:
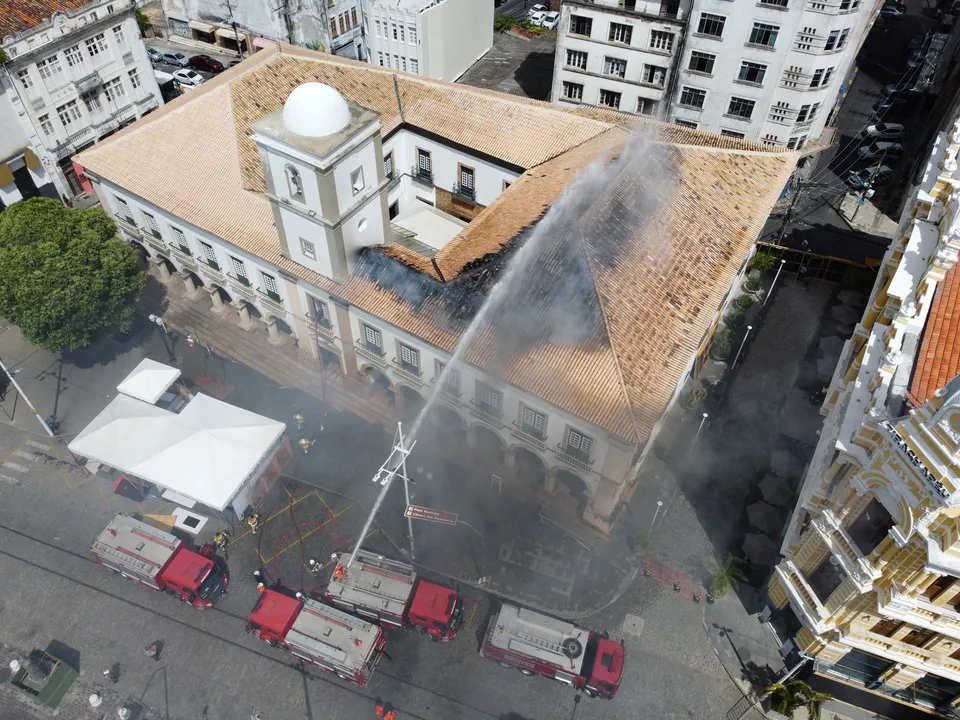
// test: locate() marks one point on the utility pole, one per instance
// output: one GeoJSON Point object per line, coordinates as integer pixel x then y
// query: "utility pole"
{"type": "Point", "coordinates": [236, 33]}
{"type": "Point", "coordinates": [10, 375]}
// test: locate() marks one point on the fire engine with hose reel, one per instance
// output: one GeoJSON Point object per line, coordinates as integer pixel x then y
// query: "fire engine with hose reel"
{"type": "Point", "coordinates": [537, 644]}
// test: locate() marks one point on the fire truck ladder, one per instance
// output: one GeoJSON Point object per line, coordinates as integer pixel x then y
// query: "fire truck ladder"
{"type": "Point", "coordinates": [536, 640]}
{"type": "Point", "coordinates": [129, 558]}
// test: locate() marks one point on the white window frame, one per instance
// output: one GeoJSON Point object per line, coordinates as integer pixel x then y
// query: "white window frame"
{"type": "Point", "coordinates": [531, 419]}
{"type": "Point", "coordinates": [74, 56]}
{"type": "Point", "coordinates": [410, 358]}
{"type": "Point", "coordinates": [46, 125]}
{"type": "Point", "coordinates": [239, 270]}
{"type": "Point", "coordinates": [118, 36]}
{"type": "Point", "coordinates": [209, 254]}
{"type": "Point", "coordinates": [620, 33]}
{"type": "Point", "coordinates": [577, 59]}
{"type": "Point", "coordinates": [68, 113]}
{"type": "Point", "coordinates": [321, 312]}
{"type": "Point", "coordinates": [489, 397]}
{"type": "Point", "coordinates": [270, 286]}
{"type": "Point", "coordinates": [566, 89]}
{"type": "Point", "coordinates": [96, 45]}
{"type": "Point", "coordinates": [610, 94]}
{"type": "Point", "coordinates": [180, 239]}
{"type": "Point", "coordinates": [24, 77]}
{"type": "Point", "coordinates": [134, 76]}
{"type": "Point", "coordinates": [372, 338]}
{"type": "Point", "coordinates": [579, 442]}
{"type": "Point", "coordinates": [615, 67]}
{"type": "Point", "coordinates": [308, 249]}
{"type": "Point", "coordinates": [414, 66]}
{"type": "Point", "coordinates": [661, 40]}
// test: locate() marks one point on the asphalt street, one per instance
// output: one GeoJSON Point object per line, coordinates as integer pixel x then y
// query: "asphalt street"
{"type": "Point", "coordinates": [210, 668]}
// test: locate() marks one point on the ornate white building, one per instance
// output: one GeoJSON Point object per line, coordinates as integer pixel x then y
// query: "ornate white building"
{"type": "Point", "coordinates": [72, 78]}
{"type": "Point", "coordinates": [365, 214]}
{"type": "Point", "coordinates": [872, 556]}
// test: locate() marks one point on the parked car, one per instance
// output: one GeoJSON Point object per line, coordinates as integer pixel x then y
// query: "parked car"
{"type": "Point", "coordinates": [869, 177]}
{"type": "Point", "coordinates": [205, 62]}
{"type": "Point", "coordinates": [550, 20]}
{"type": "Point", "coordinates": [537, 18]}
{"type": "Point", "coordinates": [188, 77]}
{"type": "Point", "coordinates": [894, 102]}
{"type": "Point", "coordinates": [234, 63]}
{"type": "Point", "coordinates": [916, 59]}
{"type": "Point", "coordinates": [892, 12]}
{"type": "Point", "coordinates": [536, 9]}
{"type": "Point", "coordinates": [877, 150]}
{"type": "Point", "coordinates": [885, 131]}
{"type": "Point", "coordinates": [897, 89]}
{"type": "Point", "coordinates": [175, 58]}
{"type": "Point", "coordinates": [154, 55]}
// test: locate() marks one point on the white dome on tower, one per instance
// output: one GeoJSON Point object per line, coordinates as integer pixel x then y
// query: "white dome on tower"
{"type": "Point", "coordinates": [315, 110]}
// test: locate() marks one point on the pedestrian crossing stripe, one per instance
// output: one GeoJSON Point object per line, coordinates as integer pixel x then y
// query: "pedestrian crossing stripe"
{"type": "Point", "coordinates": [25, 455]}
{"type": "Point", "coordinates": [9, 480]}
{"type": "Point", "coordinates": [37, 445]}
{"type": "Point", "coordinates": [14, 466]}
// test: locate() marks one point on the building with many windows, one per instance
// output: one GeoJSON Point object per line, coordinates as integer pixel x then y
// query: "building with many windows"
{"type": "Point", "coordinates": [871, 557]}
{"type": "Point", "coordinates": [772, 74]}
{"type": "Point", "coordinates": [367, 213]}
{"type": "Point", "coordinates": [76, 72]}
{"type": "Point", "coordinates": [247, 25]}
{"type": "Point", "coordinates": [439, 39]}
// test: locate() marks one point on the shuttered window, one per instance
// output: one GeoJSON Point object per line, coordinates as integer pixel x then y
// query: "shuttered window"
{"type": "Point", "coordinates": [410, 358]}
{"type": "Point", "coordinates": [579, 443]}
{"type": "Point", "coordinates": [372, 337]}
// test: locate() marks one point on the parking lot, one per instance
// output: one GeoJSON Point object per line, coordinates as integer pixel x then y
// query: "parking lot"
{"type": "Point", "coordinates": [162, 47]}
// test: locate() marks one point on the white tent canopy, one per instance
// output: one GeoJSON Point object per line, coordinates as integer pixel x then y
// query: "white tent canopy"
{"type": "Point", "coordinates": [207, 452]}
{"type": "Point", "coordinates": [149, 380]}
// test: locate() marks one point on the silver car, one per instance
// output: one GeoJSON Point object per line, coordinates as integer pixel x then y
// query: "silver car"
{"type": "Point", "coordinates": [176, 58]}
{"type": "Point", "coordinates": [876, 150]}
{"type": "Point", "coordinates": [885, 131]}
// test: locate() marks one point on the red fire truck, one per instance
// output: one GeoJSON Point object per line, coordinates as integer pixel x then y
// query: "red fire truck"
{"type": "Point", "coordinates": [160, 561]}
{"type": "Point", "coordinates": [318, 634]}
{"type": "Point", "coordinates": [389, 593]}
{"type": "Point", "coordinates": [537, 644]}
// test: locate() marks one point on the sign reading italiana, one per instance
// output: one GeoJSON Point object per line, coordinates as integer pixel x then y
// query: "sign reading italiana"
{"type": "Point", "coordinates": [911, 456]}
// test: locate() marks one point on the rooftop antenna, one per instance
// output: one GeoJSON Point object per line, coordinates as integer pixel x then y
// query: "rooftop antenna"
{"type": "Point", "coordinates": [395, 465]}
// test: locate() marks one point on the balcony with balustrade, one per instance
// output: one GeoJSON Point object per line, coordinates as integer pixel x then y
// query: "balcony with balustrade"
{"type": "Point", "coordinates": [462, 192]}
{"type": "Point", "coordinates": [372, 353]}
{"type": "Point", "coordinates": [485, 413]}
{"type": "Point", "coordinates": [270, 299]}
{"type": "Point", "coordinates": [241, 285]}
{"type": "Point", "coordinates": [802, 597]}
{"type": "Point", "coordinates": [528, 437]}
{"type": "Point", "coordinates": [421, 175]}
{"type": "Point", "coordinates": [407, 372]}
{"type": "Point", "coordinates": [565, 454]}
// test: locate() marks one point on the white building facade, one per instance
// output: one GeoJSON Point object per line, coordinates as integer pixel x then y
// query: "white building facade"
{"type": "Point", "coordinates": [773, 73]}
{"type": "Point", "coordinates": [440, 39]}
{"type": "Point", "coordinates": [72, 79]}
{"type": "Point", "coordinates": [243, 26]}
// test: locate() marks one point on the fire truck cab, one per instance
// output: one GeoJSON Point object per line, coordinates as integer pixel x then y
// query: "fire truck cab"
{"type": "Point", "coordinates": [160, 561]}
{"type": "Point", "coordinates": [537, 644]}
{"type": "Point", "coordinates": [390, 593]}
{"type": "Point", "coordinates": [318, 634]}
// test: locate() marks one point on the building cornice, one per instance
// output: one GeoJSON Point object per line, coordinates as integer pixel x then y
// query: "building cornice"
{"type": "Point", "coordinates": [623, 12]}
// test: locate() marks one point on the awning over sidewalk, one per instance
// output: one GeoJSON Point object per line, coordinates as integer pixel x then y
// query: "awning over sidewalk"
{"type": "Point", "coordinates": [262, 42]}
{"type": "Point", "coordinates": [229, 34]}
{"type": "Point", "coordinates": [149, 380]}
{"type": "Point", "coordinates": [207, 452]}
{"type": "Point", "coordinates": [201, 27]}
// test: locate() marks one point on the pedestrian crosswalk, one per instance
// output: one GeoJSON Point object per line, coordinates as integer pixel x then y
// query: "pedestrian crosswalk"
{"type": "Point", "coordinates": [17, 463]}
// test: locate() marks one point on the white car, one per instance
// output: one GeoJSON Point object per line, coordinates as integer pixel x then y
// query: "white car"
{"type": "Point", "coordinates": [885, 131]}
{"type": "Point", "coordinates": [880, 150]}
{"type": "Point", "coordinates": [188, 77]}
{"type": "Point", "coordinates": [550, 20]}
{"type": "Point", "coordinates": [536, 9]}
{"type": "Point", "coordinates": [537, 19]}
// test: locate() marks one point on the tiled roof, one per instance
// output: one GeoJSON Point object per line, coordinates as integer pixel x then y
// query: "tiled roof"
{"type": "Point", "coordinates": [938, 359]}
{"type": "Point", "coordinates": [19, 15]}
{"type": "Point", "coordinates": [659, 250]}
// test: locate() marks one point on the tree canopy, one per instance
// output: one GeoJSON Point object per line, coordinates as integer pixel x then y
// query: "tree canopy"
{"type": "Point", "coordinates": [65, 276]}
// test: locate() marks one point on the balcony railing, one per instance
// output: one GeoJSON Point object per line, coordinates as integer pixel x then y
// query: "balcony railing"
{"type": "Point", "coordinates": [802, 596]}
{"type": "Point", "coordinates": [464, 193]}
{"type": "Point", "coordinates": [153, 239]}
{"type": "Point", "coordinates": [412, 376]}
{"type": "Point", "coordinates": [572, 460]}
{"type": "Point", "coordinates": [528, 438]}
{"type": "Point", "coordinates": [184, 257]}
{"type": "Point", "coordinates": [242, 286]}
{"type": "Point", "coordinates": [89, 83]}
{"type": "Point", "coordinates": [378, 356]}
{"type": "Point", "coordinates": [487, 417]}
{"type": "Point", "coordinates": [271, 299]}
{"type": "Point", "coordinates": [210, 272]}
{"type": "Point", "coordinates": [324, 331]}
{"type": "Point", "coordinates": [421, 175]}
{"type": "Point", "coordinates": [129, 225]}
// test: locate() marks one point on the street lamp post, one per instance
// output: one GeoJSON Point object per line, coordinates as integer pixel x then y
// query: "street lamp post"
{"type": "Point", "coordinates": [742, 343]}
{"type": "Point", "coordinates": [158, 321]}
{"type": "Point", "coordinates": [705, 416]}
{"type": "Point", "coordinates": [46, 426]}
{"type": "Point", "coordinates": [770, 291]}
{"type": "Point", "coordinates": [655, 513]}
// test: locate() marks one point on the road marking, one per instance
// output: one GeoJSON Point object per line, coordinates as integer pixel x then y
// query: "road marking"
{"type": "Point", "coordinates": [9, 480]}
{"type": "Point", "coordinates": [37, 445]}
{"type": "Point", "coordinates": [25, 455]}
{"type": "Point", "coordinates": [14, 466]}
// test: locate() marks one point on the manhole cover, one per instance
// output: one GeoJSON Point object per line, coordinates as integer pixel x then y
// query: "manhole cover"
{"type": "Point", "coordinates": [633, 625]}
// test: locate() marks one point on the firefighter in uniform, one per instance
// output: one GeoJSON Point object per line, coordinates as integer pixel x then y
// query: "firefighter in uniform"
{"type": "Point", "coordinates": [314, 567]}
{"type": "Point", "coordinates": [339, 572]}
{"type": "Point", "coordinates": [221, 539]}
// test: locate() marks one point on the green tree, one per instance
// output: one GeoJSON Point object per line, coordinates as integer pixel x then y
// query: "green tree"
{"type": "Point", "coordinates": [763, 262]}
{"type": "Point", "coordinates": [727, 572]}
{"type": "Point", "coordinates": [65, 276]}
{"type": "Point", "coordinates": [143, 22]}
{"type": "Point", "coordinates": [787, 698]}
{"type": "Point", "coordinates": [502, 23]}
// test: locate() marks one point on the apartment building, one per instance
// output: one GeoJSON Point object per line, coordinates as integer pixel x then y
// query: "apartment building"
{"type": "Point", "coordinates": [772, 73]}
{"type": "Point", "coordinates": [73, 77]}
{"type": "Point", "coordinates": [365, 214]}
{"type": "Point", "coordinates": [248, 25]}
{"type": "Point", "coordinates": [871, 559]}
{"type": "Point", "coordinates": [22, 175]}
{"type": "Point", "coordinates": [438, 39]}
